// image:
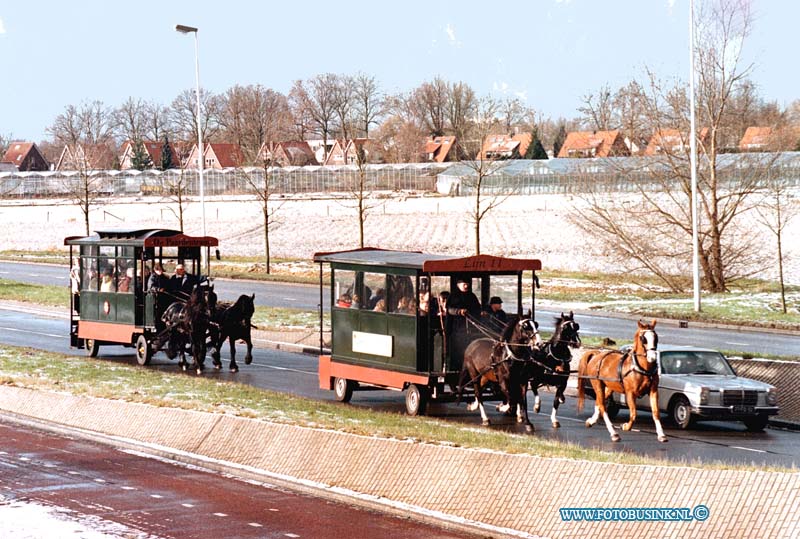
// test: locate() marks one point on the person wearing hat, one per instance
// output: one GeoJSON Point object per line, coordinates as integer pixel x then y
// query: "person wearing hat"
{"type": "Point", "coordinates": [496, 310]}
{"type": "Point", "coordinates": [461, 305]}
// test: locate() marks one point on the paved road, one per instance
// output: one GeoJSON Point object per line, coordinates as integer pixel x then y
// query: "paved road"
{"type": "Point", "coordinates": [146, 497]}
{"type": "Point", "coordinates": [307, 297]}
{"type": "Point", "coordinates": [297, 374]}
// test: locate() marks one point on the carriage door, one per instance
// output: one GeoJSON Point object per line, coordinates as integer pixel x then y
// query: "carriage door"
{"type": "Point", "coordinates": [437, 322]}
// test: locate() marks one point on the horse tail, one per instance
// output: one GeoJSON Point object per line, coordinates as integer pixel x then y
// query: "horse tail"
{"type": "Point", "coordinates": [463, 378]}
{"type": "Point", "coordinates": [582, 370]}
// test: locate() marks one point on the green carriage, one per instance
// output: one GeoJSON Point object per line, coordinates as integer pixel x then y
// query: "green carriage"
{"type": "Point", "coordinates": [110, 303]}
{"type": "Point", "coordinates": [403, 345]}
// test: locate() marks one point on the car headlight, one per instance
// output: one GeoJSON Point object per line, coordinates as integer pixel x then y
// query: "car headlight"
{"type": "Point", "coordinates": [704, 391]}
{"type": "Point", "coordinates": [772, 397]}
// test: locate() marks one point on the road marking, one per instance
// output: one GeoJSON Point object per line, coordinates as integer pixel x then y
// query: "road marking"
{"type": "Point", "coordinates": [285, 369]}
{"type": "Point", "coordinates": [748, 449]}
{"type": "Point", "coordinates": [187, 505]}
{"type": "Point", "coordinates": [26, 459]}
{"type": "Point", "coordinates": [128, 488]}
{"type": "Point", "coordinates": [275, 510]}
{"type": "Point", "coordinates": [255, 524]}
{"type": "Point", "coordinates": [156, 496]}
{"type": "Point", "coordinates": [100, 480]}
{"type": "Point", "coordinates": [220, 515]}
{"type": "Point", "coordinates": [71, 472]}
{"type": "Point", "coordinates": [31, 332]}
{"type": "Point", "coordinates": [738, 343]}
{"type": "Point", "coordinates": [291, 535]}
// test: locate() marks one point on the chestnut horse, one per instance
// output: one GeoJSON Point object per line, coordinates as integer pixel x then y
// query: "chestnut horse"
{"type": "Point", "coordinates": [633, 373]}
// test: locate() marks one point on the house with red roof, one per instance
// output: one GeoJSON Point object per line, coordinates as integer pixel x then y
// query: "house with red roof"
{"type": "Point", "coordinates": [594, 144]}
{"type": "Point", "coordinates": [294, 153]}
{"type": "Point", "coordinates": [671, 141]}
{"type": "Point", "coordinates": [346, 153]}
{"type": "Point", "coordinates": [756, 139]}
{"type": "Point", "coordinates": [217, 155]}
{"type": "Point", "coordinates": [505, 146]}
{"type": "Point", "coordinates": [439, 149]}
{"type": "Point", "coordinates": [153, 149]}
{"type": "Point", "coordinates": [86, 157]}
{"type": "Point", "coordinates": [25, 156]}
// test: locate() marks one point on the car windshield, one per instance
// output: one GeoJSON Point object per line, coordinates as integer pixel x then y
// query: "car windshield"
{"type": "Point", "coordinates": [694, 362]}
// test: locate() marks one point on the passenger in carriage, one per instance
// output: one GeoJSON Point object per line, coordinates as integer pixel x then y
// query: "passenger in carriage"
{"type": "Point", "coordinates": [379, 294]}
{"type": "Point", "coordinates": [158, 285]}
{"type": "Point", "coordinates": [496, 311]}
{"type": "Point", "coordinates": [107, 282]}
{"type": "Point", "coordinates": [461, 304]}
{"type": "Point", "coordinates": [182, 283]}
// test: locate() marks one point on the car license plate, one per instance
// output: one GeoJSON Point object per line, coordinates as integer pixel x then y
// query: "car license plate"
{"type": "Point", "coordinates": [742, 409]}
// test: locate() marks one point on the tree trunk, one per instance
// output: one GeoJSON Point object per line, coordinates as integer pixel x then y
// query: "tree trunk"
{"type": "Point", "coordinates": [266, 236]}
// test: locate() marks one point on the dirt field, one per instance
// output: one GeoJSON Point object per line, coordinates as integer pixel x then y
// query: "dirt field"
{"type": "Point", "coordinates": [523, 226]}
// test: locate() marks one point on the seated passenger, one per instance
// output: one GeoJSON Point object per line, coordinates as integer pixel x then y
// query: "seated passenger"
{"type": "Point", "coordinates": [126, 281]}
{"type": "Point", "coordinates": [496, 310]}
{"type": "Point", "coordinates": [379, 295]}
{"type": "Point", "coordinates": [380, 306]}
{"type": "Point", "coordinates": [344, 301]}
{"type": "Point", "coordinates": [107, 283]}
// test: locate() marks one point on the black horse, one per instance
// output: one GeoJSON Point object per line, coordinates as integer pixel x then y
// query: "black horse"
{"type": "Point", "coordinates": [186, 325]}
{"type": "Point", "coordinates": [232, 322]}
{"type": "Point", "coordinates": [501, 362]}
{"type": "Point", "coordinates": [553, 358]}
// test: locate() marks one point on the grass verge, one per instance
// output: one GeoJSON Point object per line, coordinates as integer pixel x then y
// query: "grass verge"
{"type": "Point", "coordinates": [23, 367]}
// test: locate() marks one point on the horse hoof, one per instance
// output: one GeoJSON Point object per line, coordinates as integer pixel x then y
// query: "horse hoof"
{"type": "Point", "coordinates": [615, 437]}
{"type": "Point", "coordinates": [529, 428]}
{"type": "Point", "coordinates": [486, 422]}
{"type": "Point", "coordinates": [537, 408]}
{"type": "Point", "coordinates": [184, 367]}
{"type": "Point", "coordinates": [589, 424]}
{"type": "Point", "coordinates": [248, 360]}
{"type": "Point", "coordinates": [663, 439]}
{"type": "Point", "coordinates": [218, 366]}
{"type": "Point", "coordinates": [556, 425]}
{"type": "Point", "coordinates": [199, 372]}
{"type": "Point", "coordinates": [234, 369]}
{"type": "Point", "coordinates": [562, 400]}
{"type": "Point", "coordinates": [626, 427]}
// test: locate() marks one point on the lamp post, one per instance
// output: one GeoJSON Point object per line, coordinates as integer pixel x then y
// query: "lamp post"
{"type": "Point", "coordinates": [693, 164]}
{"type": "Point", "coordinates": [192, 30]}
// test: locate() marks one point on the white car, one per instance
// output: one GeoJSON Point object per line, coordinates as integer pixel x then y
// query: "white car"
{"type": "Point", "coordinates": [699, 383]}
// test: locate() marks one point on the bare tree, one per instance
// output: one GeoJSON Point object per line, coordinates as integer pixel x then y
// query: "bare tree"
{"type": "Point", "coordinates": [89, 123]}
{"type": "Point", "coordinates": [175, 187]}
{"type": "Point", "coordinates": [662, 210]}
{"type": "Point", "coordinates": [429, 102]}
{"type": "Point", "coordinates": [778, 207]}
{"type": "Point", "coordinates": [253, 115]}
{"type": "Point", "coordinates": [157, 122]}
{"type": "Point", "coordinates": [315, 99]}
{"type": "Point", "coordinates": [362, 188]}
{"type": "Point", "coordinates": [131, 119]}
{"type": "Point", "coordinates": [344, 103]}
{"type": "Point", "coordinates": [263, 187]}
{"type": "Point", "coordinates": [462, 105]}
{"type": "Point", "coordinates": [629, 114]}
{"type": "Point", "coordinates": [5, 140]}
{"type": "Point", "coordinates": [183, 115]}
{"type": "Point", "coordinates": [485, 194]}
{"type": "Point", "coordinates": [514, 114]}
{"type": "Point", "coordinates": [597, 111]}
{"type": "Point", "coordinates": [369, 102]}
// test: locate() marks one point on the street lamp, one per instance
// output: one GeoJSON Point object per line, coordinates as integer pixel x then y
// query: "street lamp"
{"type": "Point", "coordinates": [192, 30]}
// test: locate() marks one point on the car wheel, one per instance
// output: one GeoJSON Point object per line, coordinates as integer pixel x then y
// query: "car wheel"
{"type": "Point", "coordinates": [143, 351]}
{"type": "Point", "coordinates": [416, 400]}
{"type": "Point", "coordinates": [681, 412]}
{"type": "Point", "coordinates": [757, 423]}
{"type": "Point", "coordinates": [92, 347]}
{"type": "Point", "coordinates": [343, 389]}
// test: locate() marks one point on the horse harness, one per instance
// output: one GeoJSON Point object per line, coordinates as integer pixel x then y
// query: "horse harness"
{"type": "Point", "coordinates": [648, 373]}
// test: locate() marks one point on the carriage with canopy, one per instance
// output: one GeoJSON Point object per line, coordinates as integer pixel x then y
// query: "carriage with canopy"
{"type": "Point", "coordinates": [407, 345]}
{"type": "Point", "coordinates": [110, 303]}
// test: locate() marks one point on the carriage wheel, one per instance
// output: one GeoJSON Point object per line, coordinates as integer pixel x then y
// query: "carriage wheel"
{"type": "Point", "coordinates": [92, 347]}
{"type": "Point", "coordinates": [416, 400]}
{"type": "Point", "coordinates": [143, 351]}
{"type": "Point", "coordinates": [343, 389]}
{"type": "Point", "coordinates": [681, 412]}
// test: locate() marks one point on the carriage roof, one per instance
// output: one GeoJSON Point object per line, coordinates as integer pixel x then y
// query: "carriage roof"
{"type": "Point", "coordinates": [144, 237]}
{"type": "Point", "coordinates": [429, 263]}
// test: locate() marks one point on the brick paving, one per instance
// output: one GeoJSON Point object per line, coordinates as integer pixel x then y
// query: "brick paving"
{"type": "Point", "coordinates": [517, 492]}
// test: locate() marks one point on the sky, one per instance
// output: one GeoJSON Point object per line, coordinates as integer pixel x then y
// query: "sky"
{"type": "Point", "coordinates": [549, 53]}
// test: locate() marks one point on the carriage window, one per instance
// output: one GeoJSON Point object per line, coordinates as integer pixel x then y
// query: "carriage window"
{"type": "Point", "coordinates": [125, 275]}
{"type": "Point", "coordinates": [401, 294]}
{"type": "Point", "coordinates": [504, 287]}
{"type": "Point", "coordinates": [343, 286]}
{"type": "Point", "coordinates": [374, 292]}
{"type": "Point", "coordinates": [89, 279]}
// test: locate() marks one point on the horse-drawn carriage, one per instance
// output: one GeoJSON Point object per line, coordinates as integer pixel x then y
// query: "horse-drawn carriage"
{"type": "Point", "coordinates": [110, 303]}
{"type": "Point", "coordinates": [389, 331]}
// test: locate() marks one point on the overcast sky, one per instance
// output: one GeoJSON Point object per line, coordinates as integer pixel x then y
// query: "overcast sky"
{"type": "Point", "coordinates": [548, 52]}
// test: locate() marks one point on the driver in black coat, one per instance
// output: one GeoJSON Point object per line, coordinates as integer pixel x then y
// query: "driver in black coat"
{"type": "Point", "coordinates": [182, 283]}
{"type": "Point", "coordinates": [461, 304]}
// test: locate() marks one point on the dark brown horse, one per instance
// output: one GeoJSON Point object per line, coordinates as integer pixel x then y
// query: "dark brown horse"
{"type": "Point", "coordinates": [186, 325]}
{"type": "Point", "coordinates": [633, 373]}
{"type": "Point", "coordinates": [232, 322]}
{"type": "Point", "coordinates": [502, 362]}
{"type": "Point", "coordinates": [554, 358]}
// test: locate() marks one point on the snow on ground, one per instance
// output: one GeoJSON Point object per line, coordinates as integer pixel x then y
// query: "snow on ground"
{"type": "Point", "coordinates": [27, 520]}
{"type": "Point", "coordinates": [523, 226]}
